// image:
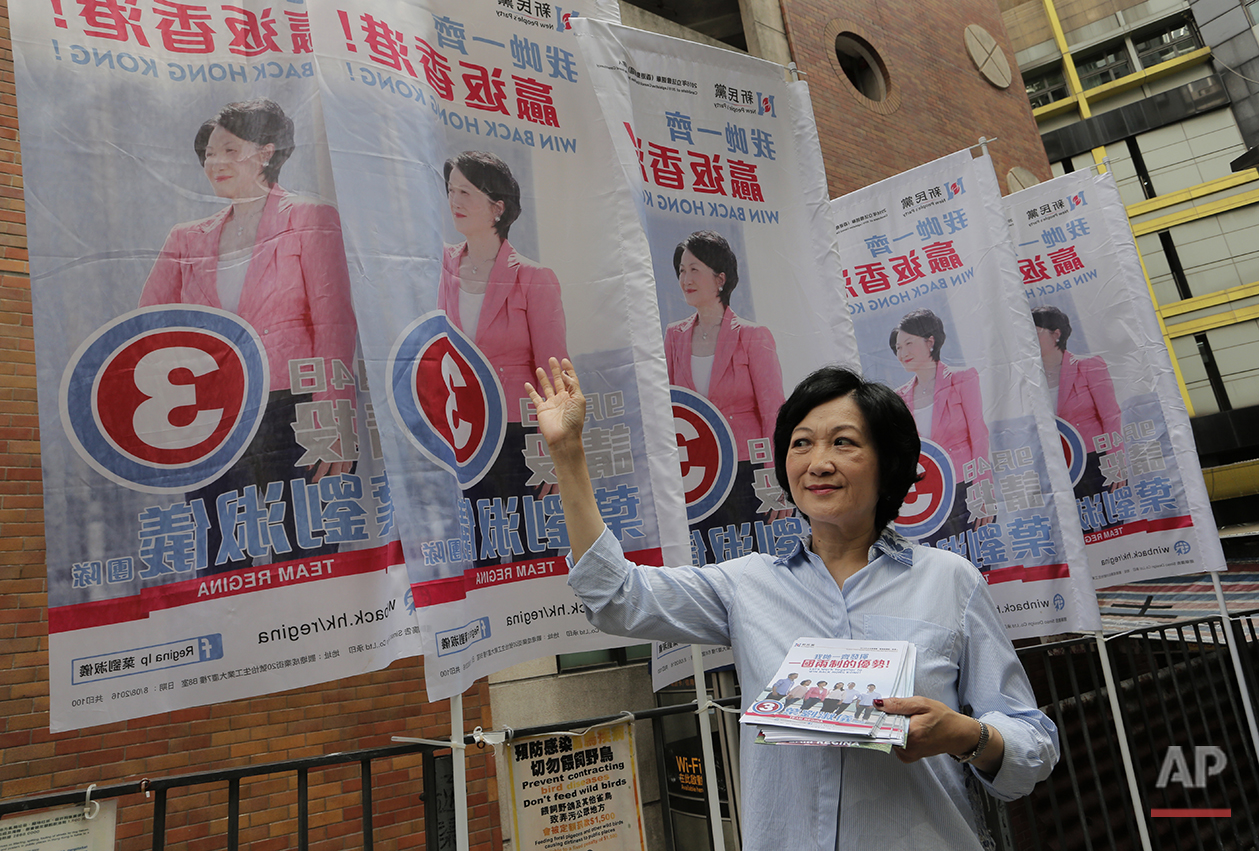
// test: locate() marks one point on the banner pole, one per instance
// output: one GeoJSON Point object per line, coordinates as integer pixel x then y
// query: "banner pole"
{"type": "Point", "coordinates": [706, 743]}
{"type": "Point", "coordinates": [1242, 687]}
{"type": "Point", "coordinates": [1128, 768]}
{"type": "Point", "coordinates": [460, 774]}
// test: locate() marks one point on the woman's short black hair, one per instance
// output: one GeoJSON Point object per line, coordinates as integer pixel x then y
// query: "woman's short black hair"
{"type": "Point", "coordinates": [1053, 319]}
{"type": "Point", "coordinates": [921, 323]}
{"type": "Point", "coordinates": [889, 424]}
{"type": "Point", "coordinates": [491, 175]}
{"type": "Point", "coordinates": [260, 121]}
{"type": "Point", "coordinates": [711, 249]}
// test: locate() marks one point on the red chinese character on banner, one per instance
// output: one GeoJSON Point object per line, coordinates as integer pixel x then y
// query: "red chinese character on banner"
{"type": "Point", "coordinates": [113, 19]}
{"type": "Point", "coordinates": [299, 31]}
{"type": "Point", "coordinates": [942, 257]}
{"type": "Point", "coordinates": [666, 166]}
{"type": "Point", "coordinates": [485, 90]}
{"type": "Point", "coordinates": [184, 28]}
{"type": "Point", "coordinates": [848, 285]}
{"type": "Point", "coordinates": [386, 44]}
{"type": "Point", "coordinates": [1033, 270]}
{"type": "Point", "coordinates": [908, 268]}
{"type": "Point", "coordinates": [744, 183]}
{"type": "Point", "coordinates": [1065, 261]}
{"type": "Point", "coordinates": [436, 70]}
{"type": "Point", "coordinates": [638, 147]}
{"type": "Point", "coordinates": [872, 278]}
{"type": "Point", "coordinates": [252, 34]}
{"type": "Point", "coordinates": [534, 103]}
{"type": "Point", "coordinates": [710, 178]}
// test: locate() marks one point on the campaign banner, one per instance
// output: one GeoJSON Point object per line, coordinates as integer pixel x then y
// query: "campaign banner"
{"type": "Point", "coordinates": [927, 260]}
{"type": "Point", "coordinates": [488, 230]}
{"type": "Point", "coordinates": [576, 792]}
{"type": "Point", "coordinates": [725, 162]}
{"type": "Point", "coordinates": [1138, 485]}
{"type": "Point", "coordinates": [219, 518]}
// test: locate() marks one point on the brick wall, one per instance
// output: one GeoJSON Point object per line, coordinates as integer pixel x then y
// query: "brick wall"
{"type": "Point", "coordinates": [360, 712]}
{"type": "Point", "coordinates": [945, 104]}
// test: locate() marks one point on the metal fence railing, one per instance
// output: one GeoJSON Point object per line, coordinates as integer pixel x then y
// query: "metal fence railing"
{"type": "Point", "coordinates": [438, 830]}
{"type": "Point", "coordinates": [438, 808]}
{"type": "Point", "coordinates": [1183, 728]}
{"type": "Point", "coordinates": [1192, 754]}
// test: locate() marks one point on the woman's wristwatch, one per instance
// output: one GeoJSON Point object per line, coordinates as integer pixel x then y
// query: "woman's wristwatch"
{"type": "Point", "coordinates": [979, 748]}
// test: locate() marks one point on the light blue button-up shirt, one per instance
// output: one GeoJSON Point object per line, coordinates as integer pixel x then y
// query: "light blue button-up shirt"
{"type": "Point", "coordinates": [836, 798]}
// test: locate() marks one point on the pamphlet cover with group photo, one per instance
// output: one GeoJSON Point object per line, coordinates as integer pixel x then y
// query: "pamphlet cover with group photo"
{"type": "Point", "coordinates": [830, 685]}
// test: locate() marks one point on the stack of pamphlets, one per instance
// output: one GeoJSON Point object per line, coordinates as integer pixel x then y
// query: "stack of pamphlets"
{"type": "Point", "coordinates": [824, 693]}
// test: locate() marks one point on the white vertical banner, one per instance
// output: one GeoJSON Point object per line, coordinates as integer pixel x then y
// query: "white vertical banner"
{"type": "Point", "coordinates": [1140, 496]}
{"type": "Point", "coordinates": [488, 229]}
{"type": "Point", "coordinates": [927, 263]}
{"type": "Point", "coordinates": [724, 159]}
{"type": "Point", "coordinates": [209, 458]}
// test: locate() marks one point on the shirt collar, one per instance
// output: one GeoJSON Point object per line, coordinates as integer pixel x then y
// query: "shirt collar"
{"type": "Point", "coordinates": [891, 543]}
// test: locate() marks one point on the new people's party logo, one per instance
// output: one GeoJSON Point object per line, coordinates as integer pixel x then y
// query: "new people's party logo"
{"type": "Point", "coordinates": [164, 399]}
{"type": "Point", "coordinates": [706, 449]}
{"type": "Point", "coordinates": [1072, 449]}
{"type": "Point", "coordinates": [928, 503]}
{"type": "Point", "coordinates": [446, 397]}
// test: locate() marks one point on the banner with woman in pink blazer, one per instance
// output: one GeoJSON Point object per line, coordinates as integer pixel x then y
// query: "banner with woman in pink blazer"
{"type": "Point", "coordinates": [927, 263]}
{"type": "Point", "coordinates": [1137, 482]}
{"type": "Point", "coordinates": [219, 520]}
{"type": "Point", "coordinates": [723, 157]}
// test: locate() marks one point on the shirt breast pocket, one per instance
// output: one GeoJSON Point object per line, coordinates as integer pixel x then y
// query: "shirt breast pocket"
{"type": "Point", "coordinates": [935, 674]}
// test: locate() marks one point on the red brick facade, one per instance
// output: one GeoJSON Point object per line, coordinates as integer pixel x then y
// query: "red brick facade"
{"type": "Point", "coordinates": [944, 102]}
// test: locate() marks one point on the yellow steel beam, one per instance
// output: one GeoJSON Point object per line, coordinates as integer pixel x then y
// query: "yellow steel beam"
{"type": "Point", "coordinates": [1068, 64]}
{"type": "Point", "coordinates": [1077, 98]}
{"type": "Point", "coordinates": [1202, 190]}
{"type": "Point", "coordinates": [1201, 211]}
{"type": "Point", "coordinates": [1232, 480]}
{"type": "Point", "coordinates": [1209, 323]}
{"type": "Point", "coordinates": [1081, 100]}
{"type": "Point", "coordinates": [1215, 299]}
{"type": "Point", "coordinates": [1167, 340]}
{"type": "Point", "coordinates": [1149, 75]}
{"type": "Point", "coordinates": [1055, 108]}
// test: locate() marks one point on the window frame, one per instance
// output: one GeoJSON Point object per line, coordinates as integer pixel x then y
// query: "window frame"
{"type": "Point", "coordinates": [1124, 60]}
{"type": "Point", "coordinates": [1047, 75]}
{"type": "Point", "coordinates": [1190, 41]}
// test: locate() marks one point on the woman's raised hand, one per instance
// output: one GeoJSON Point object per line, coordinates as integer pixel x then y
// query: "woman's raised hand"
{"type": "Point", "coordinates": [561, 406]}
{"type": "Point", "coordinates": [561, 415]}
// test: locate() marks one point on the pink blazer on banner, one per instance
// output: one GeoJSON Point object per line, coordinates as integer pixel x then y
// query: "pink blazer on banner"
{"type": "Point", "coordinates": [1086, 397]}
{"type": "Point", "coordinates": [747, 382]}
{"type": "Point", "coordinates": [957, 416]}
{"type": "Point", "coordinates": [297, 289]}
{"type": "Point", "coordinates": [522, 318]}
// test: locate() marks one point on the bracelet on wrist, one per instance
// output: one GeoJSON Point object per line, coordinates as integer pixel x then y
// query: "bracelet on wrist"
{"type": "Point", "coordinates": [979, 747]}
